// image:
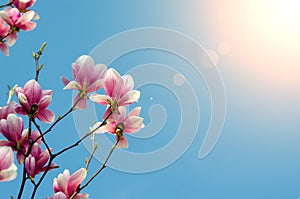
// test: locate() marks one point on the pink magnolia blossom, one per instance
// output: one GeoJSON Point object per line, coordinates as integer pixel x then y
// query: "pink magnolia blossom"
{"type": "Point", "coordinates": [8, 170]}
{"type": "Point", "coordinates": [4, 30]}
{"type": "Point", "coordinates": [130, 123]}
{"type": "Point", "coordinates": [6, 110]}
{"type": "Point", "coordinates": [88, 78]}
{"type": "Point", "coordinates": [17, 21]}
{"type": "Point", "coordinates": [22, 5]}
{"type": "Point", "coordinates": [34, 101]}
{"type": "Point", "coordinates": [119, 91]}
{"type": "Point", "coordinates": [36, 162]}
{"type": "Point", "coordinates": [17, 138]}
{"type": "Point", "coordinates": [65, 185]}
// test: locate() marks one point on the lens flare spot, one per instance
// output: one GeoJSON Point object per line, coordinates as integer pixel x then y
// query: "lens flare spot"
{"type": "Point", "coordinates": [178, 79]}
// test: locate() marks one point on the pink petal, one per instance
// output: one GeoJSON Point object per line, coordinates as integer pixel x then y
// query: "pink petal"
{"type": "Point", "coordinates": [82, 196]}
{"type": "Point", "coordinates": [95, 86]}
{"type": "Point", "coordinates": [43, 158]}
{"type": "Point", "coordinates": [110, 80]}
{"type": "Point", "coordinates": [135, 112]}
{"type": "Point", "coordinates": [65, 81]}
{"type": "Point", "coordinates": [5, 143]}
{"type": "Point", "coordinates": [47, 92]}
{"type": "Point", "coordinates": [30, 165]}
{"type": "Point", "coordinates": [85, 69]}
{"type": "Point", "coordinates": [100, 99]}
{"type": "Point", "coordinates": [11, 39]}
{"type": "Point", "coordinates": [20, 158]}
{"type": "Point", "coordinates": [33, 91]}
{"type": "Point", "coordinates": [73, 85]}
{"type": "Point", "coordinates": [128, 84]}
{"type": "Point", "coordinates": [81, 104]}
{"type": "Point", "coordinates": [15, 126]}
{"type": "Point", "coordinates": [6, 157]}
{"type": "Point", "coordinates": [24, 101]}
{"type": "Point", "coordinates": [123, 143]}
{"type": "Point", "coordinates": [28, 26]}
{"type": "Point", "coordinates": [46, 116]}
{"type": "Point", "coordinates": [102, 129]}
{"type": "Point", "coordinates": [129, 98]}
{"type": "Point", "coordinates": [100, 70]}
{"type": "Point", "coordinates": [44, 102]}
{"type": "Point", "coordinates": [133, 124]}
{"type": "Point", "coordinates": [106, 113]}
{"type": "Point", "coordinates": [58, 195]}
{"type": "Point", "coordinates": [25, 18]}
{"type": "Point", "coordinates": [21, 111]}
{"type": "Point", "coordinates": [76, 179]}
{"type": "Point", "coordinates": [5, 17]}
{"type": "Point", "coordinates": [4, 48]}
{"type": "Point", "coordinates": [120, 115]}
{"type": "Point", "coordinates": [14, 14]}
{"type": "Point", "coordinates": [60, 183]}
{"type": "Point", "coordinates": [8, 174]}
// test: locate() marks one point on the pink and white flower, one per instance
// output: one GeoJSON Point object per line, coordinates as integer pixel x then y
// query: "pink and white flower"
{"type": "Point", "coordinates": [6, 110]}
{"type": "Point", "coordinates": [8, 170]}
{"type": "Point", "coordinates": [119, 91]}
{"type": "Point", "coordinates": [17, 21]}
{"type": "Point", "coordinates": [65, 185]}
{"type": "Point", "coordinates": [34, 101]}
{"type": "Point", "coordinates": [35, 163]}
{"type": "Point", "coordinates": [130, 123]}
{"type": "Point", "coordinates": [22, 5]}
{"type": "Point", "coordinates": [88, 78]}
{"type": "Point", "coordinates": [17, 138]}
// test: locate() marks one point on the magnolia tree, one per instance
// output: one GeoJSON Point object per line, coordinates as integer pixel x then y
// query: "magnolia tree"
{"type": "Point", "coordinates": [23, 138]}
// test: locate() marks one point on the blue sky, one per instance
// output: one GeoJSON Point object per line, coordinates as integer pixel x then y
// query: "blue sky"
{"type": "Point", "coordinates": [257, 155]}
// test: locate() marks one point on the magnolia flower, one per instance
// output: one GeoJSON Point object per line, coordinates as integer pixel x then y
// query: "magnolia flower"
{"type": "Point", "coordinates": [8, 170]}
{"type": "Point", "coordinates": [17, 21]}
{"type": "Point", "coordinates": [122, 123]}
{"type": "Point", "coordinates": [65, 185]}
{"type": "Point", "coordinates": [35, 163]}
{"type": "Point", "coordinates": [34, 101]}
{"type": "Point", "coordinates": [22, 5]}
{"type": "Point", "coordinates": [17, 138]}
{"type": "Point", "coordinates": [6, 110]}
{"type": "Point", "coordinates": [119, 91]}
{"type": "Point", "coordinates": [88, 78]}
{"type": "Point", "coordinates": [12, 130]}
{"type": "Point", "coordinates": [4, 30]}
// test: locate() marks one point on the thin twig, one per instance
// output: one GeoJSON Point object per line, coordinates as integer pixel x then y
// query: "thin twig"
{"type": "Point", "coordinates": [97, 173]}
{"type": "Point", "coordinates": [58, 120]}
{"type": "Point", "coordinates": [84, 137]}
{"type": "Point", "coordinates": [6, 5]}
{"type": "Point", "coordinates": [23, 182]}
{"type": "Point", "coordinates": [53, 156]}
{"type": "Point", "coordinates": [94, 148]}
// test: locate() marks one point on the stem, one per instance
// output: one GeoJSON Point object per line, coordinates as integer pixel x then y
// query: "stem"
{"type": "Point", "coordinates": [58, 120]}
{"type": "Point", "coordinates": [97, 173]}
{"type": "Point", "coordinates": [95, 146]}
{"type": "Point", "coordinates": [85, 136]}
{"type": "Point", "coordinates": [23, 183]}
{"type": "Point", "coordinates": [42, 178]}
{"type": "Point", "coordinates": [53, 156]}
{"type": "Point", "coordinates": [42, 136]}
{"type": "Point", "coordinates": [5, 5]}
{"type": "Point", "coordinates": [25, 156]}
{"type": "Point", "coordinates": [36, 57]}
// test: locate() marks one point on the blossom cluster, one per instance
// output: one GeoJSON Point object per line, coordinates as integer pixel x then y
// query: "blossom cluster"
{"type": "Point", "coordinates": [16, 17]}
{"type": "Point", "coordinates": [33, 103]}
